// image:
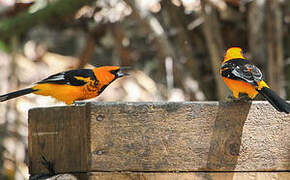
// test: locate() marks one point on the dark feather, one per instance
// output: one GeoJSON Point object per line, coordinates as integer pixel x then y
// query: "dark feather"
{"type": "Point", "coordinates": [278, 103]}
{"type": "Point", "coordinates": [15, 94]}
{"type": "Point", "coordinates": [68, 77]}
{"type": "Point", "coordinates": [243, 70]}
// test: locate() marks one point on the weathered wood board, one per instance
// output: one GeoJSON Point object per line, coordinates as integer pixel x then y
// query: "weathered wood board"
{"type": "Point", "coordinates": [190, 176]}
{"type": "Point", "coordinates": [174, 176]}
{"type": "Point", "coordinates": [157, 137]}
{"type": "Point", "coordinates": [59, 134]}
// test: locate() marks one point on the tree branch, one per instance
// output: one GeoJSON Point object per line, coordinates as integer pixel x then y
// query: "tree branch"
{"type": "Point", "coordinates": [274, 45]}
{"type": "Point", "coordinates": [215, 45]}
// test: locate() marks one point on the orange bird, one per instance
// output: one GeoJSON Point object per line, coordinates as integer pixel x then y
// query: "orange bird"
{"type": "Point", "coordinates": [73, 85]}
{"type": "Point", "coordinates": [243, 77]}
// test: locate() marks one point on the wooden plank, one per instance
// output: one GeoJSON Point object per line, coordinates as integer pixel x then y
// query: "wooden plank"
{"type": "Point", "coordinates": [60, 135]}
{"type": "Point", "coordinates": [189, 136]}
{"type": "Point", "coordinates": [191, 176]}
{"type": "Point", "coordinates": [183, 136]}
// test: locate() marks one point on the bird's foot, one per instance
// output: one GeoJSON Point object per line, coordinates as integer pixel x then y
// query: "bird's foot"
{"type": "Point", "coordinates": [231, 98]}
{"type": "Point", "coordinates": [245, 98]}
{"type": "Point", "coordinates": [242, 98]}
{"type": "Point", "coordinates": [78, 103]}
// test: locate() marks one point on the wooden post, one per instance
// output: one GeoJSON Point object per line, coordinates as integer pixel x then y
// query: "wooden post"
{"type": "Point", "coordinates": [161, 140]}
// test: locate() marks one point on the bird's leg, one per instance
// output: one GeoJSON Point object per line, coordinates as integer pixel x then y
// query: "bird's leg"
{"type": "Point", "coordinates": [78, 103]}
{"type": "Point", "coordinates": [233, 98]}
{"type": "Point", "coordinates": [245, 97]}
{"type": "Point", "coordinates": [238, 98]}
{"type": "Point", "coordinates": [252, 96]}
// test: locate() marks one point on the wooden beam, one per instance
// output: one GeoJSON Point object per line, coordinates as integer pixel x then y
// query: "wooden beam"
{"type": "Point", "coordinates": [160, 136]}
{"type": "Point", "coordinates": [59, 134]}
{"type": "Point", "coordinates": [191, 176]}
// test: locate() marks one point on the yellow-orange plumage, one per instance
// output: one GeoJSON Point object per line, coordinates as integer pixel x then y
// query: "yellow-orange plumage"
{"type": "Point", "coordinates": [238, 87]}
{"type": "Point", "coordinates": [243, 77]}
{"type": "Point", "coordinates": [64, 93]}
{"type": "Point", "coordinates": [73, 85]}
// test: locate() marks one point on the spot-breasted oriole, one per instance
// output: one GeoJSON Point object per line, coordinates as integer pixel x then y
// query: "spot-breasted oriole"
{"type": "Point", "coordinates": [243, 77]}
{"type": "Point", "coordinates": [72, 85]}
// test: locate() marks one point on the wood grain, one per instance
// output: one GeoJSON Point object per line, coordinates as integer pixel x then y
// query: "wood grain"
{"type": "Point", "coordinates": [157, 137]}
{"type": "Point", "coordinates": [190, 176]}
{"type": "Point", "coordinates": [60, 135]}
{"type": "Point", "coordinates": [189, 136]}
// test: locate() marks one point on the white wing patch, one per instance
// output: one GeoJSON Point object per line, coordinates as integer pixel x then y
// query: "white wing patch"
{"type": "Point", "coordinates": [57, 78]}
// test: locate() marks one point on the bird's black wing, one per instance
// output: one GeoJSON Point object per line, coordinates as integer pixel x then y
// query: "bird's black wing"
{"type": "Point", "coordinates": [70, 77]}
{"type": "Point", "coordinates": [243, 70]}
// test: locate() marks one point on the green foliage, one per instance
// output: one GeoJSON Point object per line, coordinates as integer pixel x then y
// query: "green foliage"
{"type": "Point", "coordinates": [3, 47]}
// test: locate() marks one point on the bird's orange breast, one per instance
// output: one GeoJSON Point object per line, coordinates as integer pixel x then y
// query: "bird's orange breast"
{"type": "Point", "coordinates": [237, 87]}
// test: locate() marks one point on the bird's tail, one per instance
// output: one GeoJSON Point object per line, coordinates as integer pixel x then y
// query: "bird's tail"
{"type": "Point", "coordinates": [278, 103]}
{"type": "Point", "coordinates": [15, 94]}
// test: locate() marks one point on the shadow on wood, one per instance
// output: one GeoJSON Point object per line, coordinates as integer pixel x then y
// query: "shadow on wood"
{"type": "Point", "coordinates": [160, 137]}
{"type": "Point", "coordinates": [227, 134]}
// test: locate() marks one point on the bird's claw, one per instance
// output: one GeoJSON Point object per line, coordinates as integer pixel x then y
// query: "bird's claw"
{"type": "Point", "coordinates": [242, 98]}
{"type": "Point", "coordinates": [78, 103]}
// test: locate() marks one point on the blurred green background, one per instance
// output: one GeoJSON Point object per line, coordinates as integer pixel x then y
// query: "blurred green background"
{"type": "Point", "coordinates": [175, 48]}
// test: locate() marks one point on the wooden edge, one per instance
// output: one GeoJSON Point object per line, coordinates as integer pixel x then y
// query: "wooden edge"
{"type": "Point", "coordinates": [58, 137]}
{"type": "Point", "coordinates": [74, 149]}
{"type": "Point", "coordinates": [189, 176]}
{"type": "Point", "coordinates": [188, 136]}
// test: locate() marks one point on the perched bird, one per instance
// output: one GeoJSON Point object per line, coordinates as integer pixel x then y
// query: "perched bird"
{"type": "Point", "coordinates": [243, 77]}
{"type": "Point", "coordinates": [73, 85]}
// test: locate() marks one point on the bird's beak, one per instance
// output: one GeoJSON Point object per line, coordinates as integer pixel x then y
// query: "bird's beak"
{"type": "Point", "coordinates": [120, 73]}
